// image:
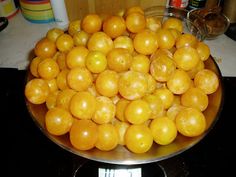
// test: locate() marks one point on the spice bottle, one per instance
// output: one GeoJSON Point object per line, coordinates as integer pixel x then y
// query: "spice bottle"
{"type": "Point", "coordinates": [196, 4]}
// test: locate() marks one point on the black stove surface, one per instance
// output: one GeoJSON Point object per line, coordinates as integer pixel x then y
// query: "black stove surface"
{"type": "Point", "coordinates": [30, 153]}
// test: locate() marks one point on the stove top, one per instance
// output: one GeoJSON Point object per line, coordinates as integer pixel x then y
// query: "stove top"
{"type": "Point", "coordinates": [31, 153]}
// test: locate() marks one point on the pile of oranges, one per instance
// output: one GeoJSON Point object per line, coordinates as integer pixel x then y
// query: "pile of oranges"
{"type": "Point", "coordinates": [125, 79]}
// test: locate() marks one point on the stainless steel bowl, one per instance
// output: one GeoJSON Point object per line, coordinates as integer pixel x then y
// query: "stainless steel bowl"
{"type": "Point", "coordinates": [121, 155]}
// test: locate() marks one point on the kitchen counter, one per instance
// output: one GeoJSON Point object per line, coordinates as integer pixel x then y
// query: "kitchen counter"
{"type": "Point", "coordinates": [20, 37]}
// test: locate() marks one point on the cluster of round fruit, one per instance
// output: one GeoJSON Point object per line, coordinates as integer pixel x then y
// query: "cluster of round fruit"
{"type": "Point", "coordinates": [123, 79]}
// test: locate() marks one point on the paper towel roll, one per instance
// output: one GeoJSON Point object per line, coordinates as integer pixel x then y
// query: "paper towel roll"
{"type": "Point", "coordinates": [60, 13]}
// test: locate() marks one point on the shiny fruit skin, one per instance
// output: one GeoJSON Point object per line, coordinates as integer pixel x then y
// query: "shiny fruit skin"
{"type": "Point", "coordinates": [64, 97]}
{"type": "Point", "coordinates": [105, 110]}
{"type": "Point", "coordinates": [107, 83]}
{"type": "Point", "coordinates": [190, 122]}
{"type": "Point", "coordinates": [120, 109]}
{"type": "Point", "coordinates": [162, 68]}
{"type": "Point", "coordinates": [195, 70]}
{"type": "Point", "coordinates": [156, 105]}
{"type": "Point", "coordinates": [79, 79]}
{"type": "Point", "coordinates": [52, 84]}
{"type": "Point", "coordinates": [152, 84]}
{"type": "Point", "coordinates": [140, 63]}
{"type": "Point", "coordinates": [74, 27]}
{"type": "Point", "coordinates": [138, 138]}
{"type": "Point", "coordinates": [137, 111]}
{"type": "Point", "coordinates": [96, 61]}
{"type": "Point", "coordinates": [145, 42]}
{"type": "Point", "coordinates": [166, 96]}
{"type": "Point", "coordinates": [91, 23]}
{"type": "Point", "coordinates": [165, 39]}
{"type": "Point", "coordinates": [186, 40]}
{"type": "Point", "coordinates": [135, 22]}
{"type": "Point", "coordinates": [54, 33]}
{"type": "Point", "coordinates": [114, 26]}
{"type": "Point", "coordinates": [83, 105]}
{"type": "Point", "coordinates": [186, 58]}
{"type": "Point", "coordinates": [132, 85]}
{"type": "Point", "coordinates": [52, 99]}
{"type": "Point", "coordinates": [124, 42]}
{"type": "Point", "coordinates": [36, 91]}
{"type": "Point", "coordinates": [64, 43]}
{"type": "Point", "coordinates": [195, 98]}
{"type": "Point", "coordinates": [179, 82]}
{"type": "Point", "coordinates": [58, 121]}
{"type": "Point", "coordinates": [48, 69]}
{"type": "Point", "coordinates": [62, 79]}
{"type": "Point", "coordinates": [83, 134]}
{"type": "Point", "coordinates": [173, 23]}
{"type": "Point", "coordinates": [132, 9]}
{"type": "Point", "coordinates": [206, 80]}
{"type": "Point", "coordinates": [81, 38]}
{"type": "Point", "coordinates": [163, 130]}
{"type": "Point", "coordinates": [121, 128]}
{"type": "Point", "coordinates": [34, 66]}
{"type": "Point", "coordinates": [203, 51]}
{"type": "Point", "coordinates": [153, 23]}
{"type": "Point", "coordinates": [119, 59]}
{"type": "Point", "coordinates": [45, 48]}
{"type": "Point", "coordinates": [107, 137]}
{"type": "Point", "coordinates": [76, 57]}
{"type": "Point", "coordinates": [100, 41]}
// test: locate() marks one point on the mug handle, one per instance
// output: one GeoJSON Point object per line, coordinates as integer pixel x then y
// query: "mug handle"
{"type": "Point", "coordinates": [3, 23]}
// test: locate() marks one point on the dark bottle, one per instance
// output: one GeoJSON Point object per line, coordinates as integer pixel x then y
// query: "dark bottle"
{"type": "Point", "coordinates": [196, 4]}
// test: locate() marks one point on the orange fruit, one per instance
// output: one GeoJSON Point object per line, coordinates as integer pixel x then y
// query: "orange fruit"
{"type": "Point", "coordinates": [114, 26]}
{"type": "Point", "coordinates": [79, 79]}
{"type": "Point", "coordinates": [190, 122]}
{"type": "Point", "coordinates": [64, 97]}
{"type": "Point", "coordinates": [91, 23]}
{"type": "Point", "coordinates": [100, 41]}
{"type": "Point", "coordinates": [140, 63]}
{"type": "Point", "coordinates": [81, 38]}
{"type": "Point", "coordinates": [138, 138]}
{"type": "Point", "coordinates": [145, 42]}
{"type": "Point", "coordinates": [83, 105]}
{"type": "Point", "coordinates": [64, 43]}
{"type": "Point", "coordinates": [58, 121]}
{"type": "Point", "coordinates": [135, 22]}
{"type": "Point", "coordinates": [163, 130]}
{"type": "Point", "coordinates": [132, 85]}
{"type": "Point", "coordinates": [186, 58]}
{"type": "Point", "coordinates": [173, 23]}
{"type": "Point", "coordinates": [107, 137]}
{"type": "Point", "coordinates": [48, 69]}
{"type": "Point", "coordinates": [74, 27]}
{"type": "Point", "coordinates": [105, 110]}
{"type": "Point", "coordinates": [54, 33]}
{"type": "Point", "coordinates": [138, 111]}
{"type": "Point", "coordinates": [37, 91]}
{"type": "Point", "coordinates": [179, 82]}
{"type": "Point", "coordinates": [119, 59]}
{"type": "Point", "coordinates": [45, 48]}
{"type": "Point", "coordinates": [124, 42]}
{"type": "Point", "coordinates": [96, 61]}
{"type": "Point", "coordinates": [83, 134]}
{"type": "Point", "coordinates": [206, 80]}
{"type": "Point", "coordinates": [76, 57]}
{"type": "Point", "coordinates": [34, 66]}
{"type": "Point", "coordinates": [107, 83]}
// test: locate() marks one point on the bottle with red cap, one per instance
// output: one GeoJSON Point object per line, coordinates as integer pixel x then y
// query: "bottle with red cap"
{"type": "Point", "coordinates": [179, 3]}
